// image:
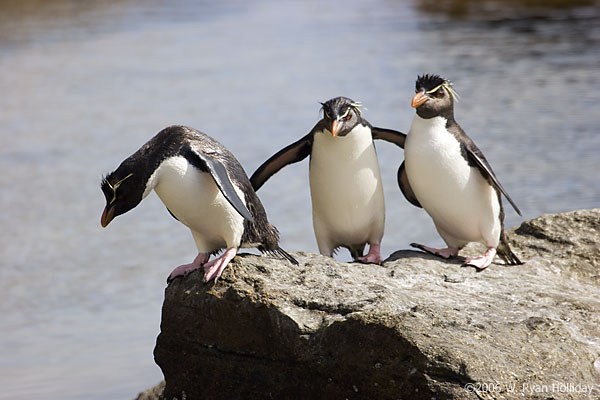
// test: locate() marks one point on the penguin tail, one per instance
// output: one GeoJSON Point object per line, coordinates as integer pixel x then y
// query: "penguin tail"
{"type": "Point", "coordinates": [356, 251]}
{"type": "Point", "coordinates": [285, 255]}
{"type": "Point", "coordinates": [280, 253]}
{"type": "Point", "coordinates": [505, 253]}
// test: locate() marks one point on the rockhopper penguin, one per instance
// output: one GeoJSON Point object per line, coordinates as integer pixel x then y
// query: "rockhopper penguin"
{"type": "Point", "coordinates": [345, 184]}
{"type": "Point", "coordinates": [445, 173]}
{"type": "Point", "coordinates": [204, 187]}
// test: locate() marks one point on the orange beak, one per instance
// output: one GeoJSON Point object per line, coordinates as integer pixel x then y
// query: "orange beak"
{"type": "Point", "coordinates": [418, 99]}
{"type": "Point", "coordinates": [335, 128]}
{"type": "Point", "coordinates": [107, 215]}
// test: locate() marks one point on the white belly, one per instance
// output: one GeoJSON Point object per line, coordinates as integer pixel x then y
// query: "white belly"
{"type": "Point", "coordinates": [463, 205]}
{"type": "Point", "coordinates": [193, 197]}
{"type": "Point", "coordinates": [346, 190]}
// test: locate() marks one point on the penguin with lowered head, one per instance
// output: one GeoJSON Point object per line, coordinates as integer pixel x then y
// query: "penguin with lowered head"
{"type": "Point", "coordinates": [204, 187]}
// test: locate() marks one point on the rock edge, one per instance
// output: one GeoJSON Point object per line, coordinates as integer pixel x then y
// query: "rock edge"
{"type": "Point", "coordinates": [415, 328]}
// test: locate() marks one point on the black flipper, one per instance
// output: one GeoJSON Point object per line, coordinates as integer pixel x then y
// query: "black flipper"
{"type": "Point", "coordinates": [293, 153]}
{"type": "Point", "coordinates": [219, 174]}
{"type": "Point", "coordinates": [477, 157]}
{"type": "Point", "coordinates": [405, 187]}
{"type": "Point", "coordinates": [389, 135]}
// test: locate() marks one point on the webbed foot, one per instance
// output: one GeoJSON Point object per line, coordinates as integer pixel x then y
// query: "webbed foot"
{"type": "Point", "coordinates": [448, 252]}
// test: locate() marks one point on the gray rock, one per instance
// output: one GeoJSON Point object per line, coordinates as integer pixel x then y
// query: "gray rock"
{"type": "Point", "coordinates": [154, 393]}
{"type": "Point", "coordinates": [417, 327]}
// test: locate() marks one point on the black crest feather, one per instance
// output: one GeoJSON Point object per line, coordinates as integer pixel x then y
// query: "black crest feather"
{"type": "Point", "coordinates": [105, 184]}
{"type": "Point", "coordinates": [429, 82]}
{"type": "Point", "coordinates": [337, 103]}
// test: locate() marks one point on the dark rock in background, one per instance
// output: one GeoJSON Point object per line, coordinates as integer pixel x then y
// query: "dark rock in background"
{"type": "Point", "coordinates": [417, 327]}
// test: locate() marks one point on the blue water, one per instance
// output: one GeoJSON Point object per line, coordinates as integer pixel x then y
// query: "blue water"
{"type": "Point", "coordinates": [84, 84]}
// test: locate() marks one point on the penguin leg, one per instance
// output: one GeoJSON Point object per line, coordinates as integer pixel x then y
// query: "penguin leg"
{"type": "Point", "coordinates": [323, 243]}
{"type": "Point", "coordinates": [185, 269]}
{"type": "Point", "coordinates": [325, 249]}
{"type": "Point", "coordinates": [448, 252]}
{"type": "Point", "coordinates": [214, 269]}
{"type": "Point", "coordinates": [483, 261]}
{"type": "Point", "coordinates": [453, 244]}
{"type": "Point", "coordinates": [373, 256]}
{"type": "Point", "coordinates": [356, 251]}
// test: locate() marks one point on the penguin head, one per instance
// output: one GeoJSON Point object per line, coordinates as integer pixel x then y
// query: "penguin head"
{"type": "Point", "coordinates": [341, 115]}
{"type": "Point", "coordinates": [434, 97]}
{"type": "Point", "coordinates": [123, 190]}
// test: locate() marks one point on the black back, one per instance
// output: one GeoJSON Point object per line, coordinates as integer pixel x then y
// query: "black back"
{"type": "Point", "coordinates": [208, 155]}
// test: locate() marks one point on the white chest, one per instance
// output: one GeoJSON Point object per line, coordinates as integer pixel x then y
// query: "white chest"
{"type": "Point", "coordinates": [193, 197]}
{"type": "Point", "coordinates": [458, 198]}
{"type": "Point", "coordinates": [345, 183]}
{"type": "Point", "coordinates": [434, 156]}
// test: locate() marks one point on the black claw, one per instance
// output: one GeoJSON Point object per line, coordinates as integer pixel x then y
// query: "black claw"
{"type": "Point", "coordinates": [477, 269]}
{"type": "Point", "coordinates": [418, 246]}
{"type": "Point", "coordinates": [367, 262]}
{"type": "Point", "coordinates": [422, 248]}
{"type": "Point", "coordinates": [172, 278]}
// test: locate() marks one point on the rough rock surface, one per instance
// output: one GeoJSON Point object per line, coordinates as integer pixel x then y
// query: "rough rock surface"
{"type": "Point", "coordinates": [417, 327]}
{"type": "Point", "coordinates": [153, 393]}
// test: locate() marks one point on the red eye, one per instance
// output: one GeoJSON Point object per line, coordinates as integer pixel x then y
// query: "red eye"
{"type": "Point", "coordinates": [348, 117]}
{"type": "Point", "coordinates": [439, 94]}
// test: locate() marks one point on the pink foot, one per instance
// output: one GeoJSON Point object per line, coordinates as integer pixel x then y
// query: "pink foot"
{"type": "Point", "coordinates": [373, 256]}
{"type": "Point", "coordinates": [214, 269]}
{"type": "Point", "coordinates": [185, 269]}
{"type": "Point", "coordinates": [448, 252]}
{"type": "Point", "coordinates": [483, 261]}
